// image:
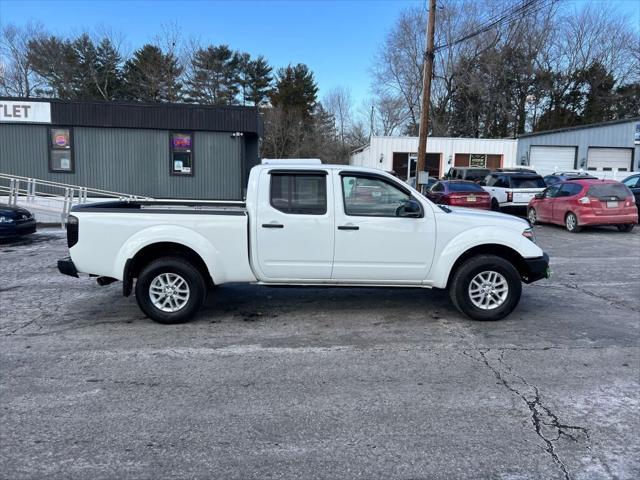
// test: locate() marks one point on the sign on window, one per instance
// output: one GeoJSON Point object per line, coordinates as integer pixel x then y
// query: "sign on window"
{"type": "Point", "coordinates": [477, 160]}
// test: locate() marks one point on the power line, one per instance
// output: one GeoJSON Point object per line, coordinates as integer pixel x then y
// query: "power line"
{"type": "Point", "coordinates": [526, 8]}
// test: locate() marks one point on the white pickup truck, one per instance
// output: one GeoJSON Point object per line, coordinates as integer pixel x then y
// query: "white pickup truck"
{"type": "Point", "coordinates": [305, 224]}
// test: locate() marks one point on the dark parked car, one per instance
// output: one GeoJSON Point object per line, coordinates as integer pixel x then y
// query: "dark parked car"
{"type": "Point", "coordinates": [467, 173]}
{"type": "Point", "coordinates": [562, 176]}
{"type": "Point", "coordinates": [459, 193]}
{"type": "Point", "coordinates": [633, 184]}
{"type": "Point", "coordinates": [15, 221]}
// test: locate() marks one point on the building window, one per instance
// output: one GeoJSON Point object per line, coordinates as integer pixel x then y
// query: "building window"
{"type": "Point", "coordinates": [60, 150]}
{"type": "Point", "coordinates": [181, 153]}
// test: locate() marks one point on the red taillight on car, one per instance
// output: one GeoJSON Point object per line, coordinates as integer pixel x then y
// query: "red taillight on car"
{"type": "Point", "coordinates": [509, 196]}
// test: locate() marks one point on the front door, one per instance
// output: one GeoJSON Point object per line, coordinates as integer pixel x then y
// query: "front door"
{"type": "Point", "coordinates": [373, 242]}
{"type": "Point", "coordinates": [294, 225]}
{"type": "Point", "coordinates": [544, 208]}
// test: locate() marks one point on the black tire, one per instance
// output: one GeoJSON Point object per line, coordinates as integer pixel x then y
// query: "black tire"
{"type": "Point", "coordinates": [626, 228]}
{"type": "Point", "coordinates": [495, 206]}
{"type": "Point", "coordinates": [571, 222]}
{"type": "Point", "coordinates": [532, 215]}
{"type": "Point", "coordinates": [194, 279]}
{"type": "Point", "coordinates": [465, 273]}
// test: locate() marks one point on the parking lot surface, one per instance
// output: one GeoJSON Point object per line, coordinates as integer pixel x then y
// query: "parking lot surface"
{"type": "Point", "coordinates": [323, 383]}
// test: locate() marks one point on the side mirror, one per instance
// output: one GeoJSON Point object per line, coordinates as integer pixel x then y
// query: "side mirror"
{"type": "Point", "coordinates": [539, 195]}
{"type": "Point", "coordinates": [410, 208]}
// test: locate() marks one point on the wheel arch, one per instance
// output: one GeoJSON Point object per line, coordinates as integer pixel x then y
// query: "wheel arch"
{"type": "Point", "coordinates": [153, 251]}
{"type": "Point", "coordinates": [496, 249]}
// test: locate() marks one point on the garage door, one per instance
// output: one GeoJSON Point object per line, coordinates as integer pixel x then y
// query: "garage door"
{"type": "Point", "coordinates": [546, 160]}
{"type": "Point", "coordinates": [609, 159]}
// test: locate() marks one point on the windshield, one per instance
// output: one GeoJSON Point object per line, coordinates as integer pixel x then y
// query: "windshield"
{"type": "Point", "coordinates": [465, 187]}
{"type": "Point", "coordinates": [527, 182]}
{"type": "Point", "coordinates": [476, 174]}
{"type": "Point", "coordinates": [609, 190]}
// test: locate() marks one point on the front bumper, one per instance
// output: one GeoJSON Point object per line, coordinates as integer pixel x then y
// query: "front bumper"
{"type": "Point", "coordinates": [536, 269]}
{"type": "Point", "coordinates": [19, 228]}
{"type": "Point", "coordinates": [67, 267]}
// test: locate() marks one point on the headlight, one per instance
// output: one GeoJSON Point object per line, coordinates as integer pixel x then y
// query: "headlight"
{"type": "Point", "coordinates": [528, 232]}
{"type": "Point", "coordinates": [6, 220]}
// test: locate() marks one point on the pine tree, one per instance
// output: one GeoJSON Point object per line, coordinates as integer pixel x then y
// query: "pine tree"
{"type": "Point", "coordinates": [152, 76]}
{"type": "Point", "coordinates": [214, 77]}
{"type": "Point", "coordinates": [260, 81]}
{"type": "Point", "coordinates": [295, 89]}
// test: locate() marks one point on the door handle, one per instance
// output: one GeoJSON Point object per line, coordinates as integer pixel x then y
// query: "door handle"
{"type": "Point", "coordinates": [272, 225]}
{"type": "Point", "coordinates": [348, 227]}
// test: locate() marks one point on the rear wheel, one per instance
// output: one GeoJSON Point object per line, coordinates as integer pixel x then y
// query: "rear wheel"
{"type": "Point", "coordinates": [495, 206]}
{"type": "Point", "coordinates": [486, 287]}
{"type": "Point", "coordinates": [571, 222]}
{"type": "Point", "coordinates": [626, 228]}
{"type": "Point", "coordinates": [170, 290]}
{"type": "Point", "coordinates": [532, 216]}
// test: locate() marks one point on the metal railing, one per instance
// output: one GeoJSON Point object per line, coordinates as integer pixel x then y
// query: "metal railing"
{"type": "Point", "coordinates": [53, 198]}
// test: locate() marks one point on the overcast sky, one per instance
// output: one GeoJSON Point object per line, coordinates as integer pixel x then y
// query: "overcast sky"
{"type": "Point", "coordinates": [336, 38]}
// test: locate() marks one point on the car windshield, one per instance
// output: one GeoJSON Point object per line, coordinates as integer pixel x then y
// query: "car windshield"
{"type": "Point", "coordinates": [465, 187]}
{"type": "Point", "coordinates": [476, 174]}
{"type": "Point", "coordinates": [529, 181]}
{"type": "Point", "coordinates": [609, 190]}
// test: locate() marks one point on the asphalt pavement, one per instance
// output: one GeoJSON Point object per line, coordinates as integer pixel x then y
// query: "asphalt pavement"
{"type": "Point", "coordinates": [310, 383]}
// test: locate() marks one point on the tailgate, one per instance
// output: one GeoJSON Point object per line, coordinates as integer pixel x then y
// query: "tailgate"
{"type": "Point", "coordinates": [525, 195]}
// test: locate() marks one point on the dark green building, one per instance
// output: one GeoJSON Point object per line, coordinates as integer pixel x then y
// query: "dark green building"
{"type": "Point", "coordinates": [156, 150]}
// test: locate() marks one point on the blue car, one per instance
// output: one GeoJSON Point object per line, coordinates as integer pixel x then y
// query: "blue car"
{"type": "Point", "coordinates": [15, 221]}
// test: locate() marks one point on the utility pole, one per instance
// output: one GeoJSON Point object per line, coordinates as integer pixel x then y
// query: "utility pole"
{"type": "Point", "coordinates": [426, 93]}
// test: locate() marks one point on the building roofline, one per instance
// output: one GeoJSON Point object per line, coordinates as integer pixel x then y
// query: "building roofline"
{"type": "Point", "coordinates": [122, 103]}
{"type": "Point", "coordinates": [580, 127]}
{"type": "Point", "coordinates": [160, 115]}
{"type": "Point", "coordinates": [444, 138]}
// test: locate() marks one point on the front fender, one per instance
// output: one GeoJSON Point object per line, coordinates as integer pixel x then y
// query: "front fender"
{"type": "Point", "coordinates": [175, 234]}
{"type": "Point", "coordinates": [484, 235]}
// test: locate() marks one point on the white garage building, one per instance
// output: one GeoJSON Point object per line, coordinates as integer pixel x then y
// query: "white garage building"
{"type": "Point", "coordinates": [606, 150]}
{"type": "Point", "coordinates": [398, 154]}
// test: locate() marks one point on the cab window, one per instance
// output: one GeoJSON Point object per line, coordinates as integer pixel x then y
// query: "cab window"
{"type": "Point", "coordinates": [371, 197]}
{"type": "Point", "coordinates": [302, 194]}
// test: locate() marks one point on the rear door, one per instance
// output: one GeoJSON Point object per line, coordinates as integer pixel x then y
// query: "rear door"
{"type": "Point", "coordinates": [295, 225]}
{"type": "Point", "coordinates": [373, 242]}
{"type": "Point", "coordinates": [564, 200]}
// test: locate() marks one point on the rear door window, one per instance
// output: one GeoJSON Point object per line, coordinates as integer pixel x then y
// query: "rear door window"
{"type": "Point", "coordinates": [527, 182]}
{"type": "Point", "coordinates": [570, 189]}
{"type": "Point", "coordinates": [609, 190]}
{"type": "Point", "coordinates": [299, 193]}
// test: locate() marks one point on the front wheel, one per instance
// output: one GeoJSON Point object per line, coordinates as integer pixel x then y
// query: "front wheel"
{"type": "Point", "coordinates": [486, 287]}
{"type": "Point", "coordinates": [170, 290]}
{"type": "Point", "coordinates": [495, 206]}
{"type": "Point", "coordinates": [626, 228]}
{"type": "Point", "coordinates": [532, 216]}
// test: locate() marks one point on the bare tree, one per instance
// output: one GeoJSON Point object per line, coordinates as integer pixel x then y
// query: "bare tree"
{"type": "Point", "coordinates": [339, 104]}
{"type": "Point", "coordinates": [17, 77]}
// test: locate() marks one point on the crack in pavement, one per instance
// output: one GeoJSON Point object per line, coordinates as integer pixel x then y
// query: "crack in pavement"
{"type": "Point", "coordinates": [545, 422]}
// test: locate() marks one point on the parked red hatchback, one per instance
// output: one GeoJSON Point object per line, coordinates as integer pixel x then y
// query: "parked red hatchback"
{"type": "Point", "coordinates": [576, 203]}
{"type": "Point", "coordinates": [459, 193]}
